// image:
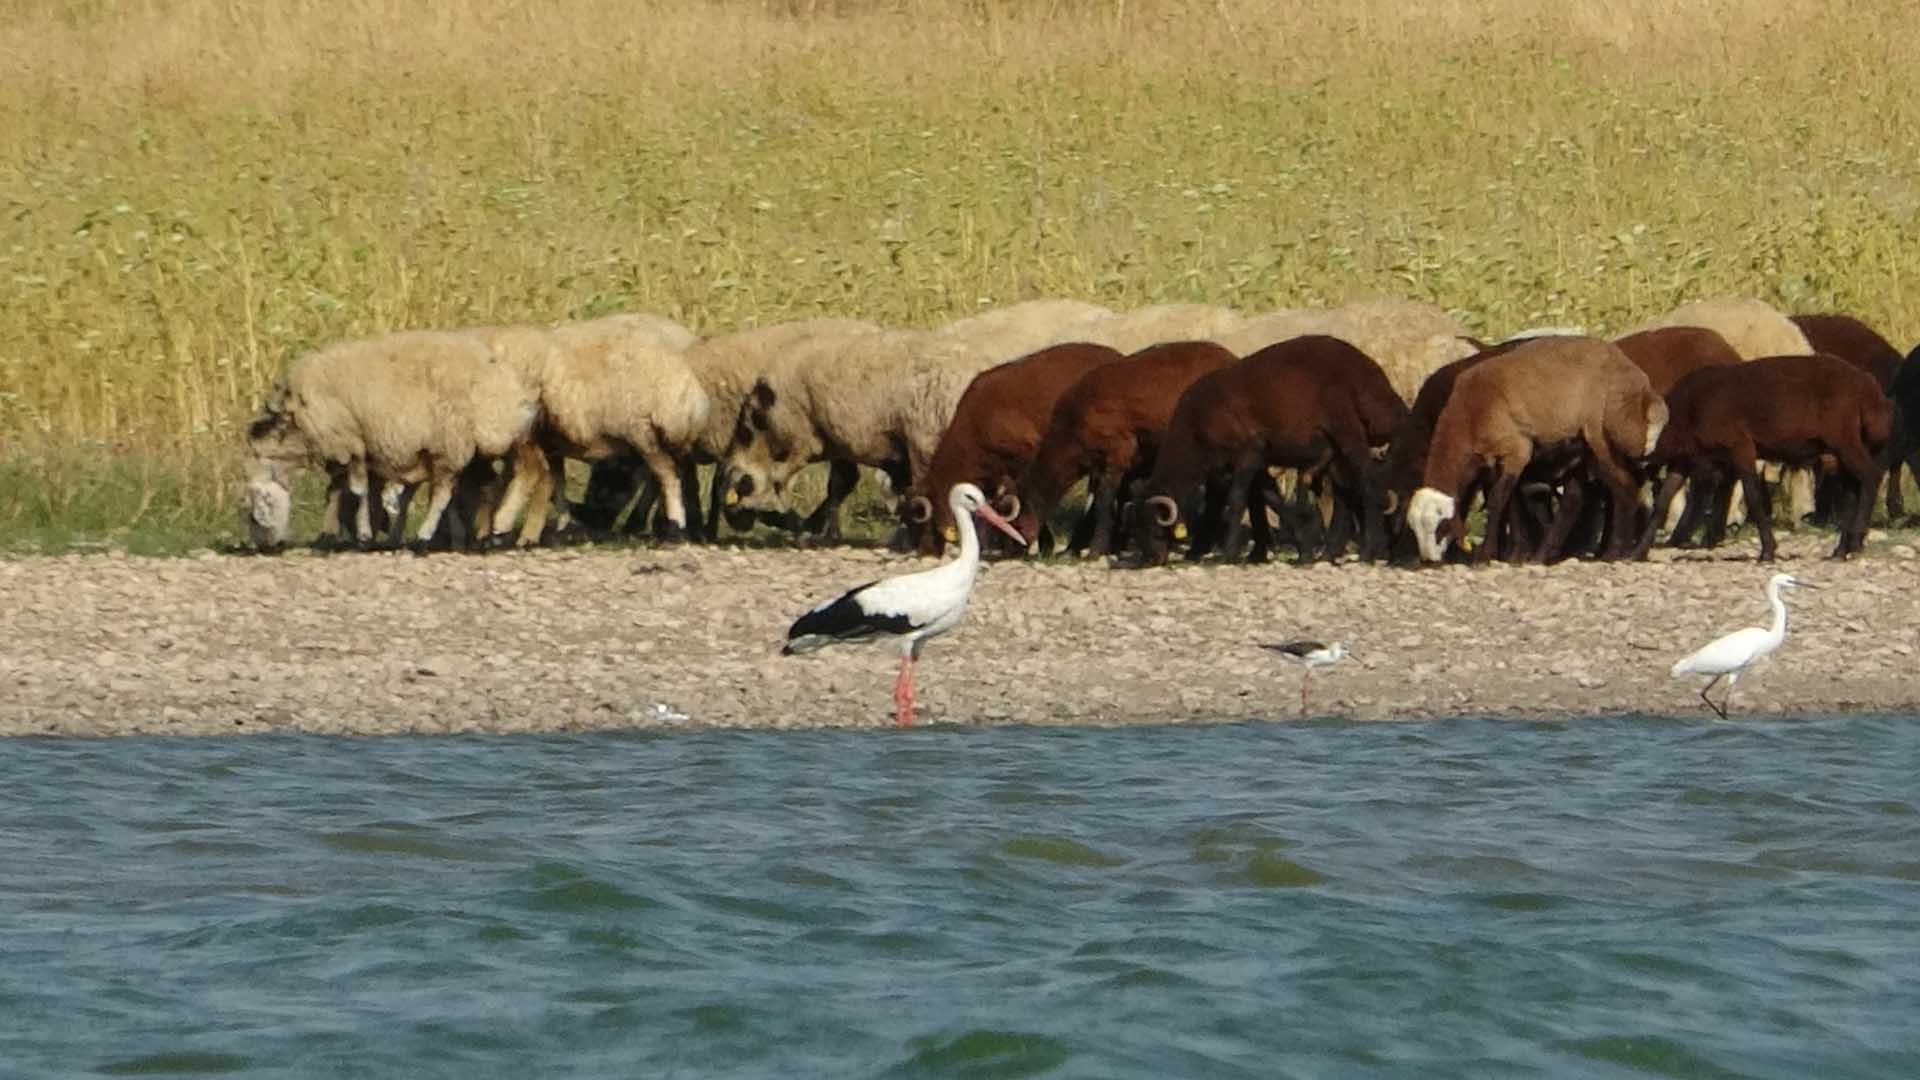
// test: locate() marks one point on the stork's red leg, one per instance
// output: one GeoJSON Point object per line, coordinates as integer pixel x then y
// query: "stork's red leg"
{"type": "Point", "coordinates": [903, 693]}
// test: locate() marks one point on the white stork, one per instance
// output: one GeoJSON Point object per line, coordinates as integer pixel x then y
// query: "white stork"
{"type": "Point", "coordinates": [910, 608]}
{"type": "Point", "coordinates": [1312, 655]}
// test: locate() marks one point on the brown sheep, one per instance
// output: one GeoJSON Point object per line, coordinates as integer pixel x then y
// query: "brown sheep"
{"type": "Point", "coordinates": [1789, 409]}
{"type": "Point", "coordinates": [1547, 397]}
{"type": "Point", "coordinates": [1309, 403]}
{"type": "Point", "coordinates": [1860, 345]}
{"type": "Point", "coordinates": [1107, 425]}
{"type": "Point", "coordinates": [994, 432]}
{"type": "Point", "coordinates": [1668, 353]}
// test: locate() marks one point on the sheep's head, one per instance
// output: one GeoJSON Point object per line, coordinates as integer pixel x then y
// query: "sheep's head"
{"type": "Point", "coordinates": [1159, 523]}
{"type": "Point", "coordinates": [274, 445]}
{"type": "Point", "coordinates": [1427, 513]}
{"type": "Point", "coordinates": [771, 443]}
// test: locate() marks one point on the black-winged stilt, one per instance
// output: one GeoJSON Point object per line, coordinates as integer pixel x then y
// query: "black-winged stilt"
{"type": "Point", "coordinates": [1312, 655]}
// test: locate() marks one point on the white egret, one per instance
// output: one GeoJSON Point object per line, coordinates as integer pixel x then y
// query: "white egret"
{"type": "Point", "coordinates": [1729, 656]}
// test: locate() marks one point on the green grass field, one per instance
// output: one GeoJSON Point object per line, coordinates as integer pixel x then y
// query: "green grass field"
{"type": "Point", "coordinates": [194, 191]}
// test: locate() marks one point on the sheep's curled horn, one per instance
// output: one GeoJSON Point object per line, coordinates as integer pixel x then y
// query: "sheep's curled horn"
{"type": "Point", "coordinates": [1165, 510]}
{"type": "Point", "coordinates": [1009, 506]}
{"type": "Point", "coordinates": [919, 509]}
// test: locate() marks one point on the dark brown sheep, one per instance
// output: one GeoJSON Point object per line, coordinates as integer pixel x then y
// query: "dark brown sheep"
{"type": "Point", "coordinates": [1308, 403]}
{"type": "Point", "coordinates": [1862, 346]}
{"type": "Point", "coordinates": [1789, 409]}
{"type": "Point", "coordinates": [995, 430]}
{"type": "Point", "coordinates": [1106, 425]}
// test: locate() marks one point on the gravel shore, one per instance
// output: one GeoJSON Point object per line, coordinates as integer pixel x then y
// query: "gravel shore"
{"type": "Point", "coordinates": [689, 637]}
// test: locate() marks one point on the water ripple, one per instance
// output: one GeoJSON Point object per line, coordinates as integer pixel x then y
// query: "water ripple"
{"type": "Point", "coordinates": [1466, 897]}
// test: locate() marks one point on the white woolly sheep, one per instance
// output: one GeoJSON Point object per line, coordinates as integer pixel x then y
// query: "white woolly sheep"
{"type": "Point", "coordinates": [1409, 339]}
{"type": "Point", "coordinates": [1014, 331]}
{"type": "Point", "coordinates": [879, 399]}
{"type": "Point", "coordinates": [412, 406]}
{"type": "Point", "coordinates": [1131, 331]}
{"type": "Point", "coordinates": [601, 395]}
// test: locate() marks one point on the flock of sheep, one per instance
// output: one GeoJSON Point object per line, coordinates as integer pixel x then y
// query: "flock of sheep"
{"type": "Point", "coordinates": [1371, 427]}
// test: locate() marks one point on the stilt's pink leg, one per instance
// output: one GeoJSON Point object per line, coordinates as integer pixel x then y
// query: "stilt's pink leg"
{"type": "Point", "coordinates": [903, 693]}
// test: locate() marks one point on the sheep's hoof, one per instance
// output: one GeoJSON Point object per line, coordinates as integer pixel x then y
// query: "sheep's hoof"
{"type": "Point", "coordinates": [419, 547]}
{"type": "Point", "coordinates": [670, 533]}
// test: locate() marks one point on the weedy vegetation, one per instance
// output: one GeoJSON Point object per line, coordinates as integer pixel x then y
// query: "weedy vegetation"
{"type": "Point", "coordinates": [194, 191]}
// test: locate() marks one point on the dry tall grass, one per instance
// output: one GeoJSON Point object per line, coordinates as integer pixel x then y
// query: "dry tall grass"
{"type": "Point", "coordinates": [192, 191]}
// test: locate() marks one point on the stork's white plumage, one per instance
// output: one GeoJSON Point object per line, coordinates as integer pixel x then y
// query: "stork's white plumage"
{"type": "Point", "coordinates": [1311, 655]}
{"type": "Point", "coordinates": [908, 609]}
{"type": "Point", "coordinates": [1729, 656]}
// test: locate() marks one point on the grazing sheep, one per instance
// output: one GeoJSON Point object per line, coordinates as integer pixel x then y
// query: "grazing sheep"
{"type": "Point", "coordinates": [602, 396]}
{"type": "Point", "coordinates": [996, 427]}
{"type": "Point", "coordinates": [727, 366]}
{"type": "Point", "coordinates": [1306, 403]}
{"type": "Point", "coordinates": [1409, 339]}
{"type": "Point", "coordinates": [1790, 409]}
{"type": "Point", "coordinates": [1106, 426]}
{"type": "Point", "coordinates": [1904, 446]}
{"type": "Point", "coordinates": [1549, 395]}
{"type": "Point", "coordinates": [1020, 329]}
{"type": "Point", "coordinates": [879, 399]}
{"type": "Point", "coordinates": [1752, 327]}
{"type": "Point", "coordinates": [411, 407]}
{"type": "Point", "coordinates": [1860, 345]}
{"type": "Point", "coordinates": [1135, 330]}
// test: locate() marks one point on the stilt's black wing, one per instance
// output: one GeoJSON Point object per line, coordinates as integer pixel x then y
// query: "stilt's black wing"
{"type": "Point", "coordinates": [842, 619]}
{"type": "Point", "coordinates": [1296, 649]}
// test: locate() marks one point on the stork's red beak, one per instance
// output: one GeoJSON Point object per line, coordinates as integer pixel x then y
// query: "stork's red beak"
{"type": "Point", "coordinates": [992, 517]}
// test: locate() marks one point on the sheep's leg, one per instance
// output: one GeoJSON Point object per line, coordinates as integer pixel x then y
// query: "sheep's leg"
{"type": "Point", "coordinates": [1234, 537]}
{"type": "Point", "coordinates": [358, 484]}
{"type": "Point", "coordinates": [1669, 487]}
{"type": "Point", "coordinates": [1499, 499]}
{"type": "Point", "coordinates": [1755, 491]}
{"type": "Point", "coordinates": [1565, 514]}
{"type": "Point", "coordinates": [390, 516]}
{"type": "Point", "coordinates": [440, 484]}
{"type": "Point", "coordinates": [529, 494]}
{"type": "Point", "coordinates": [716, 502]}
{"type": "Point", "coordinates": [1262, 486]}
{"type": "Point", "coordinates": [1103, 500]}
{"type": "Point", "coordinates": [690, 497]}
{"type": "Point", "coordinates": [842, 478]}
{"type": "Point", "coordinates": [646, 506]}
{"type": "Point", "coordinates": [611, 485]}
{"type": "Point", "coordinates": [666, 476]}
{"type": "Point", "coordinates": [1860, 471]}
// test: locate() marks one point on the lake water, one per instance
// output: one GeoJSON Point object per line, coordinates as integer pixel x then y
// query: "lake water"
{"type": "Point", "coordinates": [1605, 897]}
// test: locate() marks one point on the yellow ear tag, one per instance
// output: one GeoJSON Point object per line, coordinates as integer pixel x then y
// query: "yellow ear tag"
{"type": "Point", "coordinates": [1180, 530]}
{"type": "Point", "coordinates": [1466, 545]}
{"type": "Point", "coordinates": [733, 497]}
{"type": "Point", "coordinates": [950, 534]}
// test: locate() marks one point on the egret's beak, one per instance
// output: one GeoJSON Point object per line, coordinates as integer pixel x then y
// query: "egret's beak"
{"type": "Point", "coordinates": [993, 518]}
{"type": "Point", "coordinates": [1798, 584]}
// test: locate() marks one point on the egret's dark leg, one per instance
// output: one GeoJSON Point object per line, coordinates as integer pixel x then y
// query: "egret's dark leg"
{"type": "Point", "coordinates": [1710, 703]}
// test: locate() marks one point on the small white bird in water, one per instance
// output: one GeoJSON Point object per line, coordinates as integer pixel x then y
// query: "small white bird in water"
{"type": "Point", "coordinates": [1311, 655]}
{"type": "Point", "coordinates": [910, 608]}
{"type": "Point", "coordinates": [1729, 656]}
